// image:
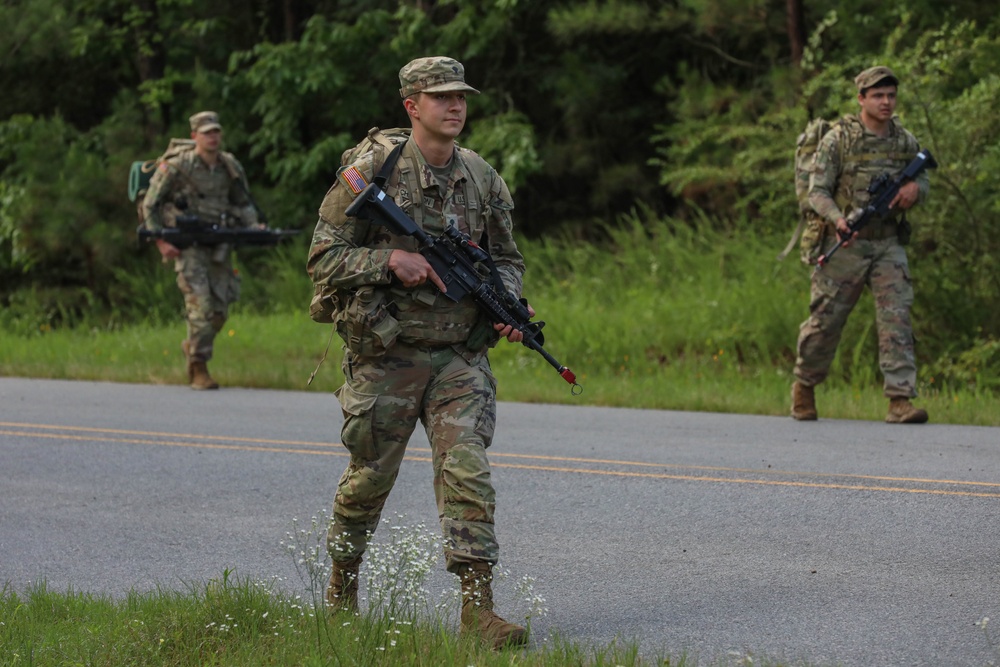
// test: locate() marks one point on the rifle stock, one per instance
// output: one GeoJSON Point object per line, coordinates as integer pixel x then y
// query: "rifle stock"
{"type": "Point", "coordinates": [454, 258]}
{"type": "Point", "coordinates": [882, 190]}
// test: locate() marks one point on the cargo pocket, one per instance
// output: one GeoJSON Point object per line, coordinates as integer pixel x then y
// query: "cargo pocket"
{"type": "Point", "coordinates": [357, 433]}
{"type": "Point", "coordinates": [814, 236]}
{"type": "Point", "coordinates": [486, 421]}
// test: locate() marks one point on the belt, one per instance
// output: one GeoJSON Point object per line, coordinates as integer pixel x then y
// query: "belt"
{"type": "Point", "coordinates": [878, 230]}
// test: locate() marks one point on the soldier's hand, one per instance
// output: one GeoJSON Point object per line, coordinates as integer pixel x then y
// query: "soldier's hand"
{"type": "Point", "coordinates": [413, 269]}
{"type": "Point", "coordinates": [167, 249]}
{"type": "Point", "coordinates": [509, 332]}
{"type": "Point", "coordinates": [906, 197]}
{"type": "Point", "coordinates": [844, 231]}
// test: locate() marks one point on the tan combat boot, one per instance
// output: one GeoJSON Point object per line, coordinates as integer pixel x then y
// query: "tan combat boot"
{"type": "Point", "coordinates": [803, 402]}
{"type": "Point", "coordinates": [200, 379]}
{"type": "Point", "coordinates": [901, 411]}
{"type": "Point", "coordinates": [342, 591]}
{"type": "Point", "coordinates": [478, 617]}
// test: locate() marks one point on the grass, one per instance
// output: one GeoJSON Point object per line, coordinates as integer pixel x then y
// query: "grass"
{"type": "Point", "coordinates": [233, 622]}
{"type": "Point", "coordinates": [281, 350]}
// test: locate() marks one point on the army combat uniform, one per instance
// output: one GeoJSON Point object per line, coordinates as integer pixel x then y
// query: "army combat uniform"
{"type": "Point", "coordinates": [847, 159]}
{"type": "Point", "coordinates": [184, 184]}
{"type": "Point", "coordinates": [412, 354]}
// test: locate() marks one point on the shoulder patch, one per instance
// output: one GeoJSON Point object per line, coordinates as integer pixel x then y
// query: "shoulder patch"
{"type": "Point", "coordinates": [353, 179]}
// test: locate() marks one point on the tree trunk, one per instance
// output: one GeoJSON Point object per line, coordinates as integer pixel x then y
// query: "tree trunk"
{"type": "Point", "coordinates": [796, 30]}
{"type": "Point", "coordinates": [151, 61]}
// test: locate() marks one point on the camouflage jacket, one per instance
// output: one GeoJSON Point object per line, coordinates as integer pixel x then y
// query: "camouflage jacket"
{"type": "Point", "coordinates": [847, 159]}
{"type": "Point", "coordinates": [348, 253]}
{"type": "Point", "coordinates": [184, 184]}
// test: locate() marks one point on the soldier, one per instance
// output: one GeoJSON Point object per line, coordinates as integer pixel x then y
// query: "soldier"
{"type": "Point", "coordinates": [209, 183]}
{"type": "Point", "coordinates": [849, 156]}
{"type": "Point", "coordinates": [412, 354]}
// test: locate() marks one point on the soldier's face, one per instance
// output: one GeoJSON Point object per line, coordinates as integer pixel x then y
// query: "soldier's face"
{"type": "Point", "coordinates": [442, 114]}
{"type": "Point", "coordinates": [208, 141]}
{"type": "Point", "coordinates": [878, 103]}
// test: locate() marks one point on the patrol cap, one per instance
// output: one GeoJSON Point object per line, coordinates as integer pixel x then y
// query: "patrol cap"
{"type": "Point", "coordinates": [874, 75]}
{"type": "Point", "coordinates": [203, 121]}
{"type": "Point", "coordinates": [436, 74]}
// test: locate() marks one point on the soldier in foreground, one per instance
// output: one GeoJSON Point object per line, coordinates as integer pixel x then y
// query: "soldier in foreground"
{"type": "Point", "coordinates": [207, 183]}
{"type": "Point", "coordinates": [412, 354]}
{"type": "Point", "coordinates": [857, 150]}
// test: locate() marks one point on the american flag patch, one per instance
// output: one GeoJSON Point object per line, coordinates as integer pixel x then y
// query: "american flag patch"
{"type": "Point", "coordinates": [354, 179]}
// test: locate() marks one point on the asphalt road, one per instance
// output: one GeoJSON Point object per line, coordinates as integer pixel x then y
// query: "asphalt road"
{"type": "Point", "coordinates": [834, 542]}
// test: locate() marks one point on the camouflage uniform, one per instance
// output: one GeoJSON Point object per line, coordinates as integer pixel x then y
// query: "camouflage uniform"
{"type": "Point", "coordinates": [428, 359]}
{"type": "Point", "coordinates": [847, 159]}
{"type": "Point", "coordinates": [184, 184]}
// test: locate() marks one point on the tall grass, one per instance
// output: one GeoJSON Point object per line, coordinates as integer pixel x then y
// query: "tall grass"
{"type": "Point", "coordinates": [662, 314]}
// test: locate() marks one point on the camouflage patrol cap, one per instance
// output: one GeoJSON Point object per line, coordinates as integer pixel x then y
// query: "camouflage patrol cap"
{"type": "Point", "coordinates": [436, 74]}
{"type": "Point", "coordinates": [203, 121]}
{"type": "Point", "coordinates": [873, 75]}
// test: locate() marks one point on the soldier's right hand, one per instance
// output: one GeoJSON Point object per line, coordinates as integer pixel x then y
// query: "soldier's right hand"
{"type": "Point", "coordinates": [844, 231]}
{"type": "Point", "coordinates": [167, 249]}
{"type": "Point", "coordinates": [413, 269]}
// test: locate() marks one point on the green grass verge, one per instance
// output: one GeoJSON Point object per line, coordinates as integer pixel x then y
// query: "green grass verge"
{"type": "Point", "coordinates": [234, 623]}
{"type": "Point", "coordinates": [280, 351]}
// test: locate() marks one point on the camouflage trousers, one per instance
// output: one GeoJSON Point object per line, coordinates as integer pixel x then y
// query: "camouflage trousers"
{"type": "Point", "coordinates": [382, 399]}
{"type": "Point", "coordinates": [836, 288]}
{"type": "Point", "coordinates": [209, 284]}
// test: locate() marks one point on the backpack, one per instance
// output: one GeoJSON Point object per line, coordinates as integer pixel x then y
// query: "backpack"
{"type": "Point", "coordinates": [141, 171]}
{"type": "Point", "coordinates": [387, 139]}
{"type": "Point", "coordinates": [326, 303]}
{"type": "Point", "coordinates": [805, 148]}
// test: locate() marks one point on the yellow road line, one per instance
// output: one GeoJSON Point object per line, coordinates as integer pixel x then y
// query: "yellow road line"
{"type": "Point", "coordinates": [202, 441]}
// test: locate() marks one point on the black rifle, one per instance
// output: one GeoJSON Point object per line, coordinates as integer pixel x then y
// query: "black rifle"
{"type": "Point", "coordinates": [882, 190]}
{"type": "Point", "coordinates": [454, 256]}
{"type": "Point", "coordinates": [190, 231]}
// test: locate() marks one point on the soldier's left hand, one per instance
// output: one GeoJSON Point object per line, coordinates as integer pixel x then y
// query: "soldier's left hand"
{"type": "Point", "coordinates": [906, 197]}
{"type": "Point", "coordinates": [509, 332]}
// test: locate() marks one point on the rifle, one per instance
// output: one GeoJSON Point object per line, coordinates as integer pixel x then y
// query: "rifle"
{"type": "Point", "coordinates": [454, 257]}
{"type": "Point", "coordinates": [882, 191]}
{"type": "Point", "coordinates": [190, 231]}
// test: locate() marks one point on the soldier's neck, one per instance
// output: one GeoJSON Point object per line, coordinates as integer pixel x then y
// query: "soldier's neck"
{"type": "Point", "coordinates": [437, 151]}
{"type": "Point", "coordinates": [875, 126]}
{"type": "Point", "coordinates": [211, 158]}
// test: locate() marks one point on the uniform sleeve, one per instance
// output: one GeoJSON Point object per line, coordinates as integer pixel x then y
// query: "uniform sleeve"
{"type": "Point", "coordinates": [338, 257]}
{"type": "Point", "coordinates": [158, 194]}
{"type": "Point", "coordinates": [823, 178]}
{"type": "Point", "coordinates": [500, 229]}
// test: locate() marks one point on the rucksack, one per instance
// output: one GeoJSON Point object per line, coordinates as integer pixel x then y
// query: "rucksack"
{"type": "Point", "coordinates": [326, 303]}
{"type": "Point", "coordinates": [142, 171]}
{"type": "Point", "coordinates": [387, 139]}
{"type": "Point", "coordinates": [805, 148]}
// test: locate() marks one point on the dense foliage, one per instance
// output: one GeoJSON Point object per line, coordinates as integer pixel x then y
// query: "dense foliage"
{"type": "Point", "coordinates": [592, 109]}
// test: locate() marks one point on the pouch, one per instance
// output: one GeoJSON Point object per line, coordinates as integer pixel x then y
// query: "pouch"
{"type": "Point", "coordinates": [366, 325]}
